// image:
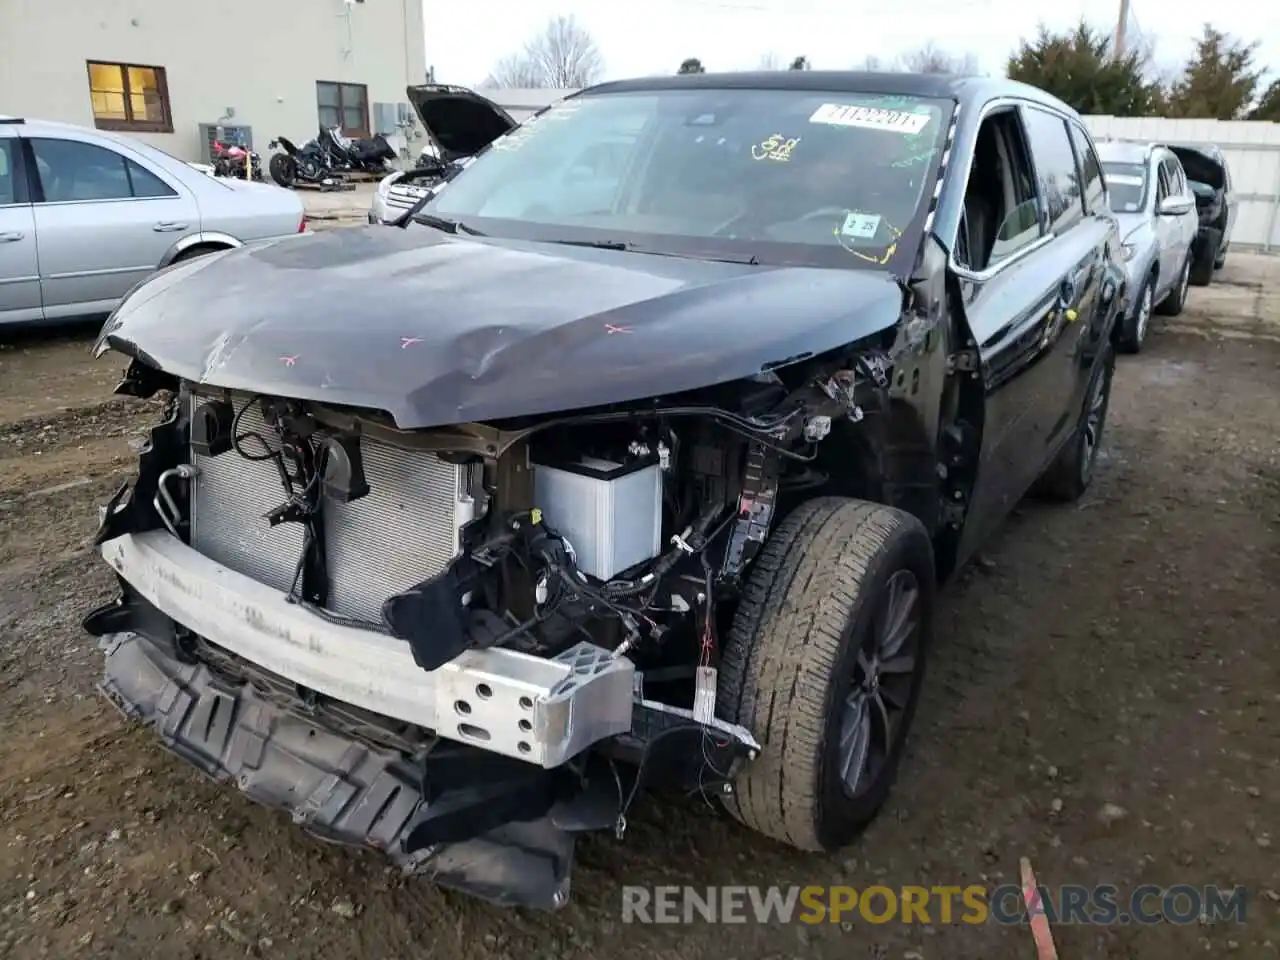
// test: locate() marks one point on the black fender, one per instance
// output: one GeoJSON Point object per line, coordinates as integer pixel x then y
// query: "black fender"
{"type": "Point", "coordinates": [287, 145]}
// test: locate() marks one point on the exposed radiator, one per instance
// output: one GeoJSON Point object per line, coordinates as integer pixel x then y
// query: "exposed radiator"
{"type": "Point", "coordinates": [403, 532]}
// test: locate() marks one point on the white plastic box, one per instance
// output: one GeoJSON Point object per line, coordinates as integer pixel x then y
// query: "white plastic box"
{"type": "Point", "coordinates": [609, 512]}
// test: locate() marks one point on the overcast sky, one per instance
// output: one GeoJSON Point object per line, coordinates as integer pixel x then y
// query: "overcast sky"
{"type": "Point", "coordinates": [641, 38]}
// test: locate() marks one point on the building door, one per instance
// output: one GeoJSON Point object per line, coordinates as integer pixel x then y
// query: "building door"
{"type": "Point", "coordinates": [344, 105]}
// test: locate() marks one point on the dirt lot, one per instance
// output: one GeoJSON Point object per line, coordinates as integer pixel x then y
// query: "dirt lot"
{"type": "Point", "coordinates": [1122, 651]}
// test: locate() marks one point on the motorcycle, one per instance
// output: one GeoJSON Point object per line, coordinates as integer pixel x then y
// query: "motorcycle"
{"type": "Point", "coordinates": [229, 161]}
{"type": "Point", "coordinates": [371, 156]}
{"type": "Point", "coordinates": [327, 156]}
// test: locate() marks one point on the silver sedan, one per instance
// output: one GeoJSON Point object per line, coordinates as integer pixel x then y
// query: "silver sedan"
{"type": "Point", "coordinates": [85, 215]}
{"type": "Point", "coordinates": [1152, 200]}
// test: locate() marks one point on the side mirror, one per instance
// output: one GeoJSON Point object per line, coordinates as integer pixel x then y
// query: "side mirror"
{"type": "Point", "coordinates": [1175, 206]}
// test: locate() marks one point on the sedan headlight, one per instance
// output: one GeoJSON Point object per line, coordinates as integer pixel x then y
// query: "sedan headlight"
{"type": "Point", "coordinates": [1127, 250]}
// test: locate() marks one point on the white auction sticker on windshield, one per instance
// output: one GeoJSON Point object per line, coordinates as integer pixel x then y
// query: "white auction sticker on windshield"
{"type": "Point", "coordinates": [860, 226]}
{"type": "Point", "coordinates": [871, 118]}
{"type": "Point", "coordinates": [1126, 179]}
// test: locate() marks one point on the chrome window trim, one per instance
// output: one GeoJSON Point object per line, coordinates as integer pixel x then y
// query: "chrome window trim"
{"type": "Point", "coordinates": [971, 143]}
{"type": "Point", "coordinates": [121, 150]}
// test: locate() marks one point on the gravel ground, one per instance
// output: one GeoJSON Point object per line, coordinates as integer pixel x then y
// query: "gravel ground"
{"type": "Point", "coordinates": [1103, 700]}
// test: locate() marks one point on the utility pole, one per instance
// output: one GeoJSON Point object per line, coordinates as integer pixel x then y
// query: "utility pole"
{"type": "Point", "coordinates": [1121, 25]}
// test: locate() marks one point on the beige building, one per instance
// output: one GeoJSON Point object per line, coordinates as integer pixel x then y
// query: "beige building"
{"type": "Point", "coordinates": [168, 71]}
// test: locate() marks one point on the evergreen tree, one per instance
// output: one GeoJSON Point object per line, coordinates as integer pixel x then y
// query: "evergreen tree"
{"type": "Point", "coordinates": [1268, 107]}
{"type": "Point", "coordinates": [1078, 68]}
{"type": "Point", "coordinates": [1220, 80]}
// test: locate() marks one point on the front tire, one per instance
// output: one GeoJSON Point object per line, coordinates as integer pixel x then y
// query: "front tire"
{"type": "Point", "coordinates": [1172, 305]}
{"type": "Point", "coordinates": [283, 169]}
{"type": "Point", "coordinates": [1134, 334]}
{"type": "Point", "coordinates": [824, 664]}
{"type": "Point", "coordinates": [1203, 253]}
{"type": "Point", "coordinates": [1071, 472]}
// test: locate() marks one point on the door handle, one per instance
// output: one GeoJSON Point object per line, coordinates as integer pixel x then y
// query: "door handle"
{"type": "Point", "coordinates": [12, 237]}
{"type": "Point", "coordinates": [168, 226]}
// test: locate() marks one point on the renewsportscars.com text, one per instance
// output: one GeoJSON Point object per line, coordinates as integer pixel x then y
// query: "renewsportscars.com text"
{"type": "Point", "coordinates": [1070, 904]}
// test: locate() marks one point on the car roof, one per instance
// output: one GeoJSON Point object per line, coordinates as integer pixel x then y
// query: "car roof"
{"type": "Point", "coordinates": [962, 89]}
{"type": "Point", "coordinates": [33, 127]}
{"type": "Point", "coordinates": [1118, 151]}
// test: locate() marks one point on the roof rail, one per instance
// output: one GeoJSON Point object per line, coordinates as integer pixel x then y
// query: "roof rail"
{"type": "Point", "coordinates": [12, 120]}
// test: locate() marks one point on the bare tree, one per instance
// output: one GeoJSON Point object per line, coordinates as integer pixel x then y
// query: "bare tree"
{"type": "Point", "coordinates": [771, 61]}
{"type": "Point", "coordinates": [932, 59]}
{"type": "Point", "coordinates": [562, 55]}
{"type": "Point", "coordinates": [873, 64]}
{"type": "Point", "coordinates": [514, 70]}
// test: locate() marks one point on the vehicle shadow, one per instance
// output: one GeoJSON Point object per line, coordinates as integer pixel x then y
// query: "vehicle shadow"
{"type": "Point", "coordinates": [19, 335]}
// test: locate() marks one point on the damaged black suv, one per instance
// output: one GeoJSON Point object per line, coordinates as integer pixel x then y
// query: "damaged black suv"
{"type": "Point", "coordinates": [632, 460]}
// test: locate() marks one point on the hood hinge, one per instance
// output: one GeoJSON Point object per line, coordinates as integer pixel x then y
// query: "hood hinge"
{"type": "Point", "coordinates": [963, 361]}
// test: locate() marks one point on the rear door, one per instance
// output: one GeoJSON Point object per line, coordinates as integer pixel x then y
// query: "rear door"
{"type": "Point", "coordinates": [1168, 229]}
{"type": "Point", "coordinates": [1076, 258]}
{"type": "Point", "coordinates": [104, 221]}
{"type": "Point", "coordinates": [1186, 225]}
{"type": "Point", "coordinates": [19, 267]}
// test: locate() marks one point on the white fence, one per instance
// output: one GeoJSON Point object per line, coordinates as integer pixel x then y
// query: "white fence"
{"type": "Point", "coordinates": [1252, 149]}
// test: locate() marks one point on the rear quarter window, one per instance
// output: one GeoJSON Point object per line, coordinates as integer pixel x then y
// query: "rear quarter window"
{"type": "Point", "coordinates": [8, 186]}
{"type": "Point", "coordinates": [1091, 170]}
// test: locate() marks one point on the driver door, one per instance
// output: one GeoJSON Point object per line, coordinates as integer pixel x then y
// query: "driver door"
{"type": "Point", "coordinates": [19, 267]}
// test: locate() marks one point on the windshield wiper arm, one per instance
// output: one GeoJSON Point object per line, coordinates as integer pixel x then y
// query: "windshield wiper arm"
{"type": "Point", "coordinates": [596, 244]}
{"type": "Point", "coordinates": [406, 218]}
{"type": "Point", "coordinates": [431, 220]}
{"type": "Point", "coordinates": [445, 224]}
{"type": "Point", "coordinates": [748, 260]}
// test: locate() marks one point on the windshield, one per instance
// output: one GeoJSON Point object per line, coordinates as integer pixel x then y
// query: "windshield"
{"type": "Point", "coordinates": [778, 176]}
{"type": "Point", "coordinates": [1127, 183]}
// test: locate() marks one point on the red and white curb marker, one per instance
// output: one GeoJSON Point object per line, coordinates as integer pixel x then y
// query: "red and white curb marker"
{"type": "Point", "coordinates": [1045, 950]}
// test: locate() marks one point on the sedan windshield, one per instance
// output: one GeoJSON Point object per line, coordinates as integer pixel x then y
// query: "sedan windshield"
{"type": "Point", "coordinates": [772, 176]}
{"type": "Point", "coordinates": [1127, 183]}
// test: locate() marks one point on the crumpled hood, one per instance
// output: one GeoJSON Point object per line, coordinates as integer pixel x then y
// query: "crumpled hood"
{"type": "Point", "coordinates": [436, 329]}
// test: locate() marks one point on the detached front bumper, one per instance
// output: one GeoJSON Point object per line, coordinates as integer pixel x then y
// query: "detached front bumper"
{"type": "Point", "coordinates": [459, 774]}
{"type": "Point", "coordinates": [334, 786]}
{"type": "Point", "coordinates": [543, 712]}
